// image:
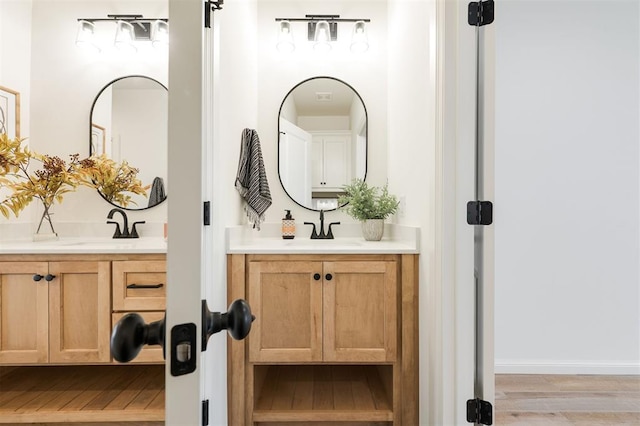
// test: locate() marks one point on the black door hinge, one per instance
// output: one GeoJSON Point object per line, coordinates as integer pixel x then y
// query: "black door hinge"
{"type": "Point", "coordinates": [206, 213]}
{"type": "Point", "coordinates": [480, 13]}
{"type": "Point", "coordinates": [205, 412]}
{"type": "Point", "coordinates": [479, 213]}
{"type": "Point", "coordinates": [479, 411]}
{"type": "Point", "coordinates": [209, 8]}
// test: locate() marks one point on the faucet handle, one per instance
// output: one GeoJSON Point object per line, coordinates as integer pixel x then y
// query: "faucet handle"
{"type": "Point", "coordinates": [314, 234]}
{"type": "Point", "coordinates": [134, 231]}
{"type": "Point", "coordinates": [117, 233]}
{"type": "Point", "coordinates": [330, 233]}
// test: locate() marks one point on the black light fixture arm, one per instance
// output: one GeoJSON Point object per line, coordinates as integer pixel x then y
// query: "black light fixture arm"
{"type": "Point", "coordinates": [126, 18]}
{"type": "Point", "coordinates": [328, 18]}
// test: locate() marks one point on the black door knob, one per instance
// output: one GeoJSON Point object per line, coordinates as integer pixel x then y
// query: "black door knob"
{"type": "Point", "coordinates": [131, 333]}
{"type": "Point", "coordinates": [49, 277]}
{"type": "Point", "coordinates": [237, 321]}
{"type": "Point", "coordinates": [316, 276]}
{"type": "Point", "coordinates": [328, 277]}
{"type": "Point", "coordinates": [37, 277]}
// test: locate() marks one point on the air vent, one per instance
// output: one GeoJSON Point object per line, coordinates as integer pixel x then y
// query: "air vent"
{"type": "Point", "coordinates": [324, 96]}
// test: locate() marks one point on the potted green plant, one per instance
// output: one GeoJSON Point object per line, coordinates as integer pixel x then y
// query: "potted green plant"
{"type": "Point", "coordinates": [370, 205]}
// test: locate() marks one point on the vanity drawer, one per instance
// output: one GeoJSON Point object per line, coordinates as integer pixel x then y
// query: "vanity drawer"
{"type": "Point", "coordinates": [139, 285]}
{"type": "Point", "coordinates": [148, 354]}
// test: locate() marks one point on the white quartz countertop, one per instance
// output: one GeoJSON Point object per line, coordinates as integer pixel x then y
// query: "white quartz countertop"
{"type": "Point", "coordinates": [85, 246]}
{"type": "Point", "coordinates": [396, 240]}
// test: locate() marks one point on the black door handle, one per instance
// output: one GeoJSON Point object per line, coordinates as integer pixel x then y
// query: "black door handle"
{"type": "Point", "coordinates": [237, 321]}
{"type": "Point", "coordinates": [37, 277]}
{"type": "Point", "coordinates": [49, 277]}
{"type": "Point", "coordinates": [328, 277]}
{"type": "Point", "coordinates": [131, 333]}
{"type": "Point", "coordinates": [316, 276]}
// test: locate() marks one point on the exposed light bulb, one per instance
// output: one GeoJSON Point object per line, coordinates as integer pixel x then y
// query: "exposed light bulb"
{"type": "Point", "coordinates": [124, 37]}
{"type": "Point", "coordinates": [159, 33]}
{"type": "Point", "coordinates": [85, 36]}
{"type": "Point", "coordinates": [359, 40]}
{"type": "Point", "coordinates": [285, 38]}
{"type": "Point", "coordinates": [322, 37]}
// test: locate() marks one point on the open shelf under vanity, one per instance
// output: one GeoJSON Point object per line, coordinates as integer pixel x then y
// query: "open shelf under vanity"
{"type": "Point", "coordinates": [317, 393]}
{"type": "Point", "coordinates": [82, 394]}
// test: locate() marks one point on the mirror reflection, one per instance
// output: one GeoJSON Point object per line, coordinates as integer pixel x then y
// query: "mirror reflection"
{"type": "Point", "coordinates": [322, 143]}
{"type": "Point", "coordinates": [129, 123]}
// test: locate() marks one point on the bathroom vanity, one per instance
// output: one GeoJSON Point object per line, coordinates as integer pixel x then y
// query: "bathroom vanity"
{"type": "Point", "coordinates": [335, 334]}
{"type": "Point", "coordinates": [58, 303]}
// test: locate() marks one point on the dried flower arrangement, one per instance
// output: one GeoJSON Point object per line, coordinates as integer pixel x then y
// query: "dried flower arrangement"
{"type": "Point", "coordinates": [55, 178]}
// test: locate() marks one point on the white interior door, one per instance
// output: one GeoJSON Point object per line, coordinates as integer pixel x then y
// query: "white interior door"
{"type": "Point", "coordinates": [295, 158]}
{"type": "Point", "coordinates": [186, 232]}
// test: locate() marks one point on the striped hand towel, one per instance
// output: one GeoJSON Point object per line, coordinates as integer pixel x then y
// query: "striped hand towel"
{"type": "Point", "coordinates": [251, 180]}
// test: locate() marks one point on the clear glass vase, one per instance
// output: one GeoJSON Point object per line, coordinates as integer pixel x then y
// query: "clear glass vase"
{"type": "Point", "coordinates": [45, 230]}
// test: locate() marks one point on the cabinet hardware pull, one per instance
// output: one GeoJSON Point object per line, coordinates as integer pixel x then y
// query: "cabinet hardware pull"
{"type": "Point", "coordinates": [145, 285]}
{"type": "Point", "coordinates": [49, 277]}
{"type": "Point", "coordinates": [37, 277]}
{"type": "Point", "coordinates": [328, 277]}
{"type": "Point", "coordinates": [316, 276]}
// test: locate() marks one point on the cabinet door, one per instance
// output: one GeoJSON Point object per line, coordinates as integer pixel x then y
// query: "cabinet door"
{"type": "Point", "coordinates": [286, 299]}
{"type": "Point", "coordinates": [24, 313]}
{"type": "Point", "coordinates": [80, 311]}
{"type": "Point", "coordinates": [317, 164]}
{"type": "Point", "coordinates": [335, 161]}
{"type": "Point", "coordinates": [360, 321]}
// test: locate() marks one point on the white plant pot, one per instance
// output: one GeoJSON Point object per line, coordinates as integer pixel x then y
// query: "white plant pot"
{"type": "Point", "coordinates": [372, 229]}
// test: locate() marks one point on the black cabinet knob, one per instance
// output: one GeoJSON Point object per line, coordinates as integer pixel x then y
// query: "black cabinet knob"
{"type": "Point", "coordinates": [49, 277]}
{"type": "Point", "coordinates": [131, 333]}
{"type": "Point", "coordinates": [328, 277]}
{"type": "Point", "coordinates": [37, 277]}
{"type": "Point", "coordinates": [316, 276]}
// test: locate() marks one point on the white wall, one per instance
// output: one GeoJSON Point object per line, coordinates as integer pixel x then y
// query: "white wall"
{"type": "Point", "coordinates": [567, 187]}
{"type": "Point", "coordinates": [411, 156]}
{"type": "Point", "coordinates": [63, 83]}
{"type": "Point", "coordinates": [15, 71]}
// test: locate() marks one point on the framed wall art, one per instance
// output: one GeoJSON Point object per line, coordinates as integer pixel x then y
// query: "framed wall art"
{"type": "Point", "coordinates": [9, 112]}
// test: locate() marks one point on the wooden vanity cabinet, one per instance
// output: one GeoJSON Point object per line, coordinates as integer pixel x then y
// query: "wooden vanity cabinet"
{"type": "Point", "coordinates": [58, 309]}
{"type": "Point", "coordinates": [334, 339]}
{"type": "Point", "coordinates": [62, 317]}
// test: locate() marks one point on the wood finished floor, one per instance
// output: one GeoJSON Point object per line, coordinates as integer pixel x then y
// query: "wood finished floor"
{"type": "Point", "coordinates": [567, 400]}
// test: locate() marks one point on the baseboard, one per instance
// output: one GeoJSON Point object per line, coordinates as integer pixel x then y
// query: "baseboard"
{"type": "Point", "coordinates": [565, 367]}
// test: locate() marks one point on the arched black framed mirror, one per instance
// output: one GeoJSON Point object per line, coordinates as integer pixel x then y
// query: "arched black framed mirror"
{"type": "Point", "coordinates": [128, 122]}
{"type": "Point", "coordinates": [322, 141]}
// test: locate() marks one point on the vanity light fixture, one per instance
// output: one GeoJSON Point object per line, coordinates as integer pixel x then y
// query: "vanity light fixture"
{"type": "Point", "coordinates": [85, 36]}
{"type": "Point", "coordinates": [322, 30]}
{"type": "Point", "coordinates": [130, 29]}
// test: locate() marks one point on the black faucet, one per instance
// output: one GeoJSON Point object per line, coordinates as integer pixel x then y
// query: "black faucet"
{"type": "Point", "coordinates": [125, 232]}
{"type": "Point", "coordinates": [322, 235]}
